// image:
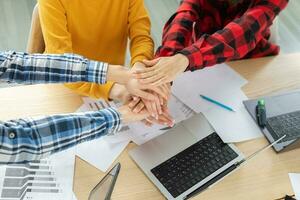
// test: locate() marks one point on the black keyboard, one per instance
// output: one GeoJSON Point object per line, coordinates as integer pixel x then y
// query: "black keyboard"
{"type": "Point", "coordinates": [286, 124]}
{"type": "Point", "coordinates": [194, 164]}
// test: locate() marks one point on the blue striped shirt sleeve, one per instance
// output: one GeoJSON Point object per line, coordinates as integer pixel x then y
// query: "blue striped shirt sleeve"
{"type": "Point", "coordinates": [43, 68]}
{"type": "Point", "coordinates": [31, 139]}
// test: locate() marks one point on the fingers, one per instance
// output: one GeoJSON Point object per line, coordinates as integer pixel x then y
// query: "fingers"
{"type": "Point", "coordinates": [157, 79]}
{"type": "Point", "coordinates": [159, 91]}
{"type": "Point", "coordinates": [153, 106]}
{"type": "Point", "coordinates": [139, 107]}
{"type": "Point", "coordinates": [148, 105]}
{"type": "Point", "coordinates": [161, 100]}
{"type": "Point", "coordinates": [150, 63]}
{"type": "Point", "coordinates": [168, 120]}
{"type": "Point", "coordinates": [158, 105]}
{"type": "Point", "coordinates": [160, 82]}
{"type": "Point", "coordinates": [145, 73]}
{"type": "Point", "coordinates": [155, 121]}
{"type": "Point", "coordinates": [147, 122]}
{"type": "Point", "coordinates": [165, 120]}
{"type": "Point", "coordinates": [145, 95]}
{"type": "Point", "coordinates": [133, 103]}
{"type": "Point", "coordinates": [167, 90]}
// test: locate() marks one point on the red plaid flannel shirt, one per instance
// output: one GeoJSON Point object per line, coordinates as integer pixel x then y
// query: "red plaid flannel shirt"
{"type": "Point", "coordinates": [215, 31]}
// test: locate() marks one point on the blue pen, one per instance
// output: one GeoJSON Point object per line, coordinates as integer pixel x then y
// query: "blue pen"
{"type": "Point", "coordinates": [217, 103]}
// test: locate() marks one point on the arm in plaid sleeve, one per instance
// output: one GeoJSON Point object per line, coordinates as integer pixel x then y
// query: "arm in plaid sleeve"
{"type": "Point", "coordinates": [237, 39]}
{"type": "Point", "coordinates": [38, 68]}
{"type": "Point", "coordinates": [234, 41]}
{"type": "Point", "coordinates": [32, 139]}
{"type": "Point", "coordinates": [177, 32]}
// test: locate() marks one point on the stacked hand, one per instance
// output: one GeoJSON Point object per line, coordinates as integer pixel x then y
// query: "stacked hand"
{"type": "Point", "coordinates": [162, 70]}
{"type": "Point", "coordinates": [157, 107]}
{"type": "Point", "coordinates": [158, 73]}
{"type": "Point", "coordinates": [148, 87]}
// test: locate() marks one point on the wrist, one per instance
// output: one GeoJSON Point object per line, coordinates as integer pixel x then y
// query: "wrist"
{"type": "Point", "coordinates": [124, 114]}
{"type": "Point", "coordinates": [183, 61]}
{"type": "Point", "coordinates": [118, 92]}
{"type": "Point", "coordinates": [118, 74]}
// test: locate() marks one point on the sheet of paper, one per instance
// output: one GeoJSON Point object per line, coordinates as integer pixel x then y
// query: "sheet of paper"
{"type": "Point", "coordinates": [47, 179]}
{"type": "Point", "coordinates": [233, 126]}
{"type": "Point", "coordinates": [295, 180]}
{"type": "Point", "coordinates": [100, 153]}
{"type": "Point", "coordinates": [179, 111]}
{"type": "Point", "coordinates": [93, 105]}
{"type": "Point", "coordinates": [218, 82]}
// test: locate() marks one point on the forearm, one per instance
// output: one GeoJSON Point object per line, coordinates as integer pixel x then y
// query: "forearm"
{"type": "Point", "coordinates": [32, 139]}
{"type": "Point", "coordinates": [139, 30]}
{"type": "Point", "coordinates": [236, 39]}
{"type": "Point", "coordinates": [38, 68]}
{"type": "Point", "coordinates": [118, 74]}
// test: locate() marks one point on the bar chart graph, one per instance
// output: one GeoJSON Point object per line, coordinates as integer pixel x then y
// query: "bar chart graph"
{"type": "Point", "coordinates": [49, 178]}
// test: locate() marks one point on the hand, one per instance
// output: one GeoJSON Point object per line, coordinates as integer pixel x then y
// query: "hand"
{"type": "Point", "coordinates": [153, 107]}
{"type": "Point", "coordinates": [137, 105]}
{"type": "Point", "coordinates": [120, 93]}
{"type": "Point", "coordinates": [128, 116]}
{"type": "Point", "coordinates": [135, 88]}
{"type": "Point", "coordinates": [164, 119]}
{"type": "Point", "coordinates": [162, 70]}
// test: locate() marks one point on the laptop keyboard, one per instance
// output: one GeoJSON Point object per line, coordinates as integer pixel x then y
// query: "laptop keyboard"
{"type": "Point", "coordinates": [194, 164]}
{"type": "Point", "coordinates": [286, 124]}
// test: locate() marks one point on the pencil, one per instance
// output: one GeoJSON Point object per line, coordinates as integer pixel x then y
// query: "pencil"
{"type": "Point", "coordinates": [216, 103]}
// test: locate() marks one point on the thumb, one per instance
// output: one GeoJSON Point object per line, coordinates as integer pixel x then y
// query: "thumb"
{"type": "Point", "coordinates": [150, 63]}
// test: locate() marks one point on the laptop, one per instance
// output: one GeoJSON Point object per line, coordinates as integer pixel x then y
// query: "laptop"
{"type": "Point", "coordinates": [188, 159]}
{"type": "Point", "coordinates": [283, 118]}
{"type": "Point", "coordinates": [103, 190]}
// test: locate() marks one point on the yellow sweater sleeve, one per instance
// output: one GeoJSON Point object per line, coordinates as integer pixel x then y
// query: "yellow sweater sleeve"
{"type": "Point", "coordinates": [139, 30]}
{"type": "Point", "coordinates": [58, 40]}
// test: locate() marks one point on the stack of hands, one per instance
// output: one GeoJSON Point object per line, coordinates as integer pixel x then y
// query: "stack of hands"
{"type": "Point", "coordinates": [149, 90]}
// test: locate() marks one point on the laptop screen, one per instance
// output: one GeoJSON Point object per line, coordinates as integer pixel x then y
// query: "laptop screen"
{"type": "Point", "coordinates": [100, 192]}
{"type": "Point", "coordinates": [103, 190]}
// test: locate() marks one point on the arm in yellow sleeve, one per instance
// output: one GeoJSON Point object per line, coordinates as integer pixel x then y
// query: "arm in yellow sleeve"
{"type": "Point", "coordinates": [139, 30]}
{"type": "Point", "coordinates": [58, 39]}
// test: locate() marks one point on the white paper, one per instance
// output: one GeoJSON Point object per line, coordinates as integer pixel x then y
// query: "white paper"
{"type": "Point", "coordinates": [235, 126]}
{"type": "Point", "coordinates": [93, 105]}
{"type": "Point", "coordinates": [100, 153]}
{"type": "Point", "coordinates": [48, 179]}
{"type": "Point", "coordinates": [218, 82]}
{"type": "Point", "coordinates": [142, 133]}
{"type": "Point", "coordinates": [295, 180]}
{"type": "Point", "coordinates": [222, 84]}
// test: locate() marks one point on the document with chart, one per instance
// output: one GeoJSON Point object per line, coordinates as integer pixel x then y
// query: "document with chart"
{"type": "Point", "coordinates": [47, 179]}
